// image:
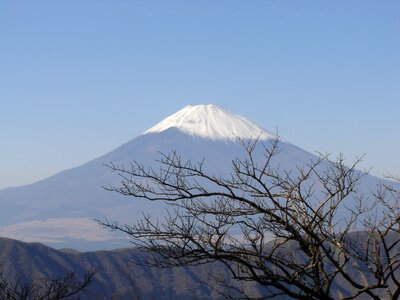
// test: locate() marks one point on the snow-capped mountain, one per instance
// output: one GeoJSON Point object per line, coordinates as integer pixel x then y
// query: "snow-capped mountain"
{"type": "Point", "coordinates": [59, 210]}
{"type": "Point", "coordinates": [211, 122]}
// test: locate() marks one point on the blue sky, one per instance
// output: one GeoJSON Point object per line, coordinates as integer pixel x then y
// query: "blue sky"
{"type": "Point", "coordinates": [79, 78]}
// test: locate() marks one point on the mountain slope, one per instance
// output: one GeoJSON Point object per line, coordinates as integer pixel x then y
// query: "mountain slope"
{"type": "Point", "coordinates": [120, 273]}
{"type": "Point", "coordinates": [59, 210]}
{"type": "Point", "coordinates": [211, 122]}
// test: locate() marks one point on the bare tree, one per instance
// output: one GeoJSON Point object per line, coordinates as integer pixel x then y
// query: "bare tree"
{"type": "Point", "coordinates": [289, 232]}
{"type": "Point", "coordinates": [62, 287]}
{"type": "Point", "coordinates": [379, 250]}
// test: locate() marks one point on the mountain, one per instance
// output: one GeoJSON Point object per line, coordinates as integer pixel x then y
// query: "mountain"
{"type": "Point", "coordinates": [59, 210]}
{"type": "Point", "coordinates": [211, 122]}
{"type": "Point", "coordinates": [120, 274]}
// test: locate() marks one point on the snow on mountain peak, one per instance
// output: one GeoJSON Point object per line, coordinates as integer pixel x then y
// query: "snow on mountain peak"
{"type": "Point", "coordinates": [213, 122]}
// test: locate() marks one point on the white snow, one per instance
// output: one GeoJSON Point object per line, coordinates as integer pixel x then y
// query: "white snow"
{"type": "Point", "coordinates": [213, 122]}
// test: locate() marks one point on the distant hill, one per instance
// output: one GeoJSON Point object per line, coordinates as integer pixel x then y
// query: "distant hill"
{"type": "Point", "coordinates": [120, 274]}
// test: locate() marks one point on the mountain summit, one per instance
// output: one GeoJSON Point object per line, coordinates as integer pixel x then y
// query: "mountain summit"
{"type": "Point", "coordinates": [212, 122]}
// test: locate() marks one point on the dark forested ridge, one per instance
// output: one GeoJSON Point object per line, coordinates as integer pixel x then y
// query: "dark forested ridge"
{"type": "Point", "coordinates": [120, 275]}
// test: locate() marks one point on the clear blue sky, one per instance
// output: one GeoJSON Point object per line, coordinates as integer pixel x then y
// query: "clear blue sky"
{"type": "Point", "coordinates": [79, 78]}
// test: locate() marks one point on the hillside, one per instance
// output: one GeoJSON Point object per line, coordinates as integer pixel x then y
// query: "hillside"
{"type": "Point", "coordinates": [59, 211]}
{"type": "Point", "coordinates": [120, 273]}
